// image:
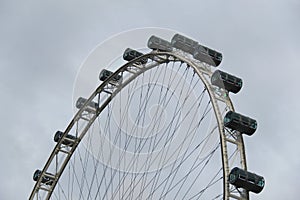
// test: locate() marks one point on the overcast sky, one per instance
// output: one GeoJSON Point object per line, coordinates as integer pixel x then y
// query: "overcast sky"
{"type": "Point", "coordinates": [42, 45]}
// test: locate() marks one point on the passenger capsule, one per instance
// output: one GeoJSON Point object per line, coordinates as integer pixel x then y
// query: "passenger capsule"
{"type": "Point", "coordinates": [226, 81]}
{"type": "Point", "coordinates": [247, 180]}
{"type": "Point", "coordinates": [240, 123]}
{"type": "Point", "coordinates": [157, 43]}
{"type": "Point", "coordinates": [69, 141]}
{"type": "Point", "coordinates": [92, 107]}
{"type": "Point", "coordinates": [207, 55]}
{"type": "Point", "coordinates": [183, 43]}
{"type": "Point", "coordinates": [131, 54]}
{"type": "Point", "coordinates": [104, 74]}
{"type": "Point", "coordinates": [46, 179]}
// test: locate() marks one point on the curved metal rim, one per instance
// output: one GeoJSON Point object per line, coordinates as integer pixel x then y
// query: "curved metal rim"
{"type": "Point", "coordinates": [106, 82]}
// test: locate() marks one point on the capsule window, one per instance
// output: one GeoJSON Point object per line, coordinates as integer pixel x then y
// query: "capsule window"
{"type": "Point", "coordinates": [241, 176]}
{"type": "Point", "coordinates": [183, 43]}
{"type": "Point", "coordinates": [226, 81]}
{"type": "Point", "coordinates": [226, 120]}
{"type": "Point", "coordinates": [243, 179]}
{"type": "Point", "coordinates": [211, 52]}
{"type": "Point", "coordinates": [240, 123]}
{"type": "Point", "coordinates": [69, 141]}
{"type": "Point", "coordinates": [219, 56]}
{"type": "Point", "coordinates": [254, 125]}
{"type": "Point", "coordinates": [130, 54]}
{"type": "Point", "coordinates": [232, 178]}
{"type": "Point", "coordinates": [244, 121]}
{"type": "Point", "coordinates": [157, 43]}
{"type": "Point", "coordinates": [239, 83]}
{"type": "Point", "coordinates": [36, 175]}
{"type": "Point", "coordinates": [251, 178]}
{"type": "Point", "coordinates": [230, 79]}
{"type": "Point", "coordinates": [201, 49]}
{"type": "Point", "coordinates": [261, 183]}
{"type": "Point", "coordinates": [46, 179]}
{"type": "Point", "coordinates": [91, 107]}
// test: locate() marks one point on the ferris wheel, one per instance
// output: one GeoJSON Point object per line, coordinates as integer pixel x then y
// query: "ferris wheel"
{"type": "Point", "coordinates": [162, 126]}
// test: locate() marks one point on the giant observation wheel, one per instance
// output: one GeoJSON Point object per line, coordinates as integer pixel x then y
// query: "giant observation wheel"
{"type": "Point", "coordinates": [162, 126]}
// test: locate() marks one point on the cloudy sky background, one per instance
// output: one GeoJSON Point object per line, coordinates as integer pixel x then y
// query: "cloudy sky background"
{"type": "Point", "coordinates": [42, 45]}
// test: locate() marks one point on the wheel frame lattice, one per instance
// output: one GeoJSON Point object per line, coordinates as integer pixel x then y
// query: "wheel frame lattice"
{"type": "Point", "coordinates": [110, 89]}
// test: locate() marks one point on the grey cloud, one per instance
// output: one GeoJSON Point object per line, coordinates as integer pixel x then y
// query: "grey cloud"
{"type": "Point", "coordinates": [43, 45]}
